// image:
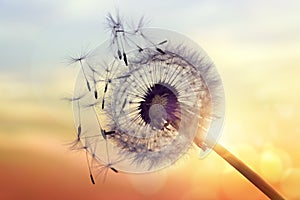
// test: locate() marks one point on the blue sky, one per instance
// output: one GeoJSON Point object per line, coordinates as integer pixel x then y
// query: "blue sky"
{"type": "Point", "coordinates": [40, 34]}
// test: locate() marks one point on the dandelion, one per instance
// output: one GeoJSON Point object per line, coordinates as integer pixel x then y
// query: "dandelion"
{"type": "Point", "coordinates": [144, 97]}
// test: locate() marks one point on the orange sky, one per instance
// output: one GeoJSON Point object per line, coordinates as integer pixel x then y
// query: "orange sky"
{"type": "Point", "coordinates": [261, 128]}
{"type": "Point", "coordinates": [255, 47]}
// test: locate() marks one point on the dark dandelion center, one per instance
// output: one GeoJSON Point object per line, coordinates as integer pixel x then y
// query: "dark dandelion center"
{"type": "Point", "coordinates": [160, 107]}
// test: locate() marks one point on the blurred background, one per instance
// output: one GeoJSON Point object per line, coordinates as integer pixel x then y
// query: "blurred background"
{"type": "Point", "coordinates": [254, 44]}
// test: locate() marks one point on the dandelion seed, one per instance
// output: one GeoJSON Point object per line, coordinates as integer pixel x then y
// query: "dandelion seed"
{"type": "Point", "coordinates": [163, 42]}
{"type": "Point", "coordinates": [102, 169]}
{"type": "Point", "coordinates": [90, 171]}
{"type": "Point", "coordinates": [113, 169]}
{"type": "Point", "coordinates": [79, 131]}
{"type": "Point", "coordinates": [160, 94]}
{"type": "Point", "coordinates": [109, 132]}
{"type": "Point", "coordinates": [160, 51]}
{"type": "Point", "coordinates": [125, 59]}
{"type": "Point", "coordinates": [103, 104]}
{"type": "Point", "coordinates": [119, 54]}
{"type": "Point", "coordinates": [80, 60]}
{"type": "Point", "coordinates": [92, 178]}
{"type": "Point", "coordinates": [74, 98]}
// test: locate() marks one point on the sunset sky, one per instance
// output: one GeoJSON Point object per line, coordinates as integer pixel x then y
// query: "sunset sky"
{"type": "Point", "coordinates": [254, 44]}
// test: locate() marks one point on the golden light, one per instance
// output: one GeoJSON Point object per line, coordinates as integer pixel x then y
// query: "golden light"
{"type": "Point", "coordinates": [235, 186]}
{"type": "Point", "coordinates": [247, 153]}
{"type": "Point", "coordinates": [271, 166]}
{"type": "Point", "coordinates": [148, 184]}
{"type": "Point", "coordinates": [290, 183]}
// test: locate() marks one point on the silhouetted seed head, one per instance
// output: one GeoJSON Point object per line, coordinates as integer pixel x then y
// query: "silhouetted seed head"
{"type": "Point", "coordinates": [158, 91]}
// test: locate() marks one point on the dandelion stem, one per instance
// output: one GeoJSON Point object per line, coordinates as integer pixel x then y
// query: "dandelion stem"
{"type": "Point", "coordinates": [252, 176]}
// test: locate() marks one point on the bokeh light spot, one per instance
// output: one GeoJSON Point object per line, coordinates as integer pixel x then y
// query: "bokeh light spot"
{"type": "Point", "coordinates": [270, 166]}
{"type": "Point", "coordinates": [148, 184]}
{"type": "Point", "coordinates": [290, 183]}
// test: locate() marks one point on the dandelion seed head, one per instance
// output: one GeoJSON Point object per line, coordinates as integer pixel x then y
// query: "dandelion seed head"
{"type": "Point", "coordinates": [150, 93]}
